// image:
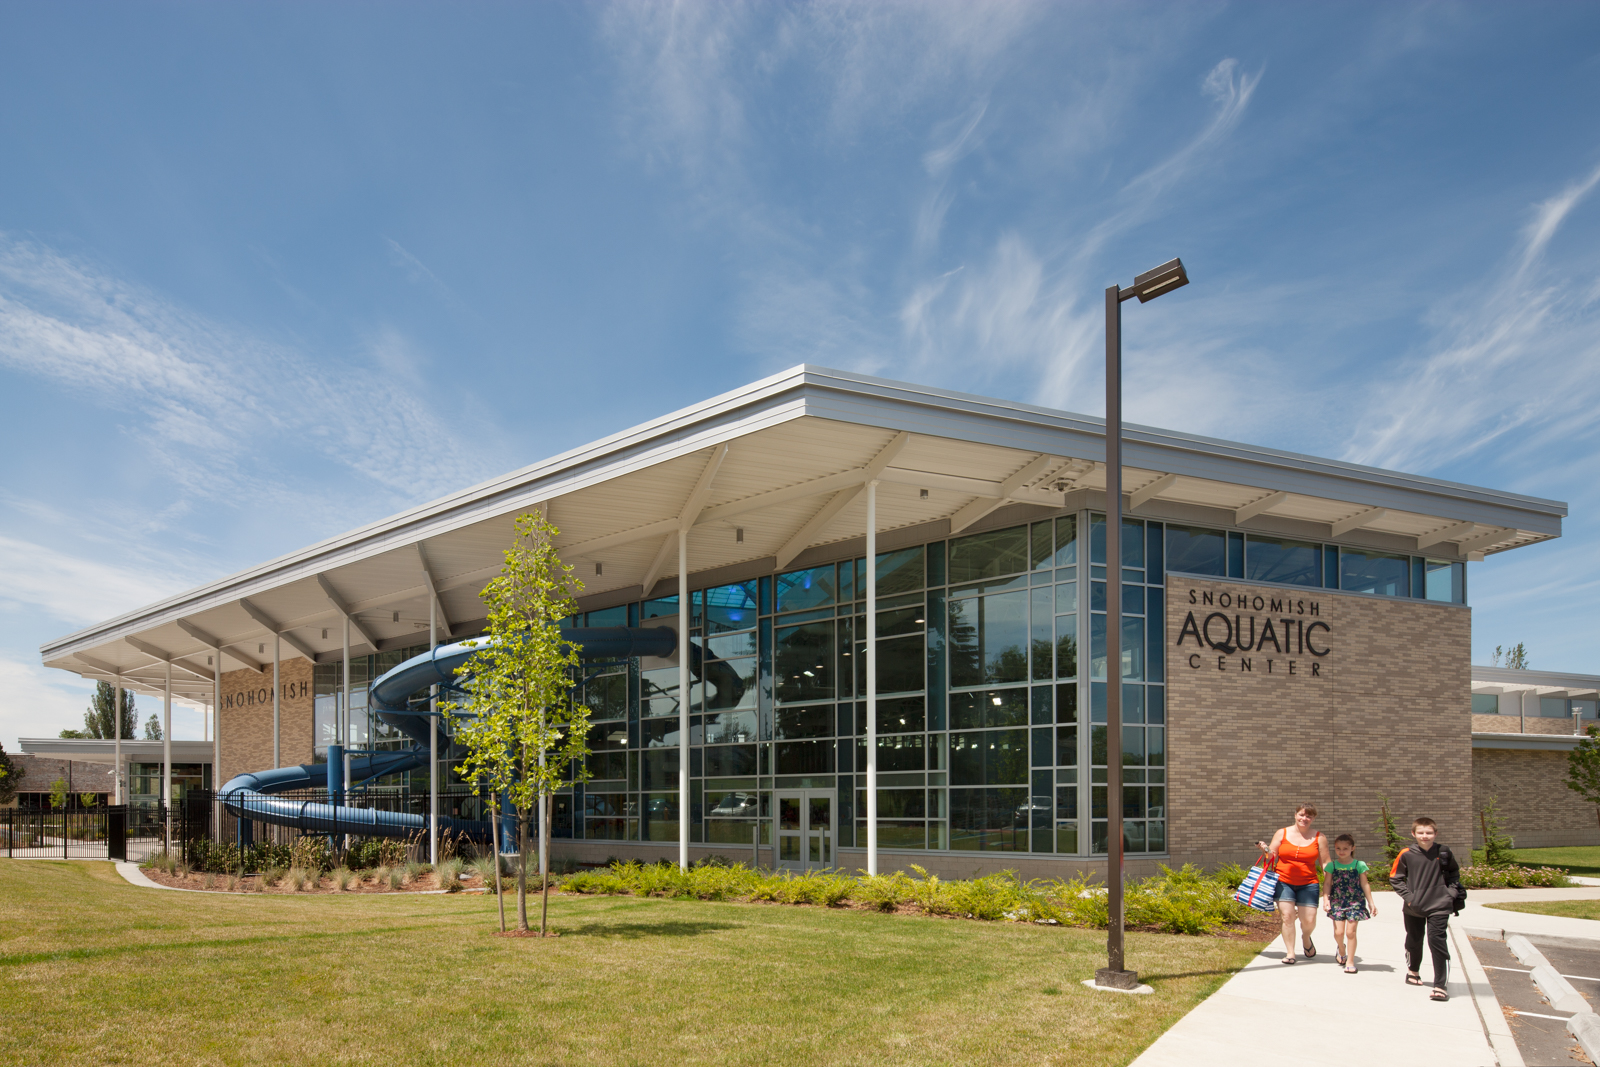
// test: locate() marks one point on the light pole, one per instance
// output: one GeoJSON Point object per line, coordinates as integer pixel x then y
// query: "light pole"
{"type": "Point", "coordinates": [1146, 287]}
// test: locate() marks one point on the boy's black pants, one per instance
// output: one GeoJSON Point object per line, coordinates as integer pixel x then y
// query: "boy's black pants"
{"type": "Point", "coordinates": [1434, 923]}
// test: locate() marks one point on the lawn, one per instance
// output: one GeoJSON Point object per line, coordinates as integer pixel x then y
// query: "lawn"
{"type": "Point", "coordinates": [1570, 909]}
{"type": "Point", "coordinates": [1583, 861]}
{"type": "Point", "coordinates": [95, 970]}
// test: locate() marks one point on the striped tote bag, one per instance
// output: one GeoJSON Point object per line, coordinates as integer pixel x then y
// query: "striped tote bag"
{"type": "Point", "coordinates": [1259, 889]}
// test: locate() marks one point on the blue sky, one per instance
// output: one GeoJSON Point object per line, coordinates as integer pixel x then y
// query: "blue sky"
{"type": "Point", "coordinates": [271, 271]}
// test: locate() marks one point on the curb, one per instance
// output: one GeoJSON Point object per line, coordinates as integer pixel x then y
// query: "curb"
{"type": "Point", "coordinates": [1556, 989]}
{"type": "Point", "coordinates": [1584, 1024]}
{"type": "Point", "coordinates": [1490, 1014]}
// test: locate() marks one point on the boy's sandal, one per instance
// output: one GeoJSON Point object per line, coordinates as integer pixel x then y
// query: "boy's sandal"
{"type": "Point", "coordinates": [1413, 978]}
{"type": "Point", "coordinates": [1438, 994]}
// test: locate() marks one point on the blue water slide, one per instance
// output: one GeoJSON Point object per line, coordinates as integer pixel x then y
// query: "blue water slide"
{"type": "Point", "coordinates": [250, 795]}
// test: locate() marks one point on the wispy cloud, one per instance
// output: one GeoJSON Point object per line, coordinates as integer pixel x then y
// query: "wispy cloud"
{"type": "Point", "coordinates": [207, 402]}
{"type": "Point", "coordinates": [74, 589]}
{"type": "Point", "coordinates": [1512, 365]}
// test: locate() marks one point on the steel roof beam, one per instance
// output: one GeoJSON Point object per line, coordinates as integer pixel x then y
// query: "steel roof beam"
{"type": "Point", "coordinates": [1140, 497]}
{"type": "Point", "coordinates": [1258, 507]}
{"type": "Point", "coordinates": [1356, 521]}
{"type": "Point", "coordinates": [274, 628]}
{"type": "Point", "coordinates": [982, 506]}
{"type": "Point", "coordinates": [339, 605]}
{"type": "Point", "coordinates": [442, 618]}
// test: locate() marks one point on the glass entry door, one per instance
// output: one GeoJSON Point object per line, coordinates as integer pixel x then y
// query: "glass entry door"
{"type": "Point", "coordinates": [804, 834]}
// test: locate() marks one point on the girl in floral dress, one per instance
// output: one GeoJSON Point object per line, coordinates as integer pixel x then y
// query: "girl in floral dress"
{"type": "Point", "coordinates": [1347, 898]}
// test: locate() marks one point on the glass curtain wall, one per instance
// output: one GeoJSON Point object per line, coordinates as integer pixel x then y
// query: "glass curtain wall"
{"type": "Point", "coordinates": [990, 736]}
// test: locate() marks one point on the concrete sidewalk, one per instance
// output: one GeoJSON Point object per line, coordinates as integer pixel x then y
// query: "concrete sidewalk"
{"type": "Point", "coordinates": [1375, 1006]}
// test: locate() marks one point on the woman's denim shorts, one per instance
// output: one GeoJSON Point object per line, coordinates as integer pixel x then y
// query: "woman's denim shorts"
{"type": "Point", "coordinates": [1304, 896]}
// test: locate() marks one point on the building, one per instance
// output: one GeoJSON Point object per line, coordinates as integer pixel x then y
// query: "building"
{"type": "Point", "coordinates": [1295, 629]}
{"type": "Point", "coordinates": [141, 766]}
{"type": "Point", "coordinates": [86, 785]}
{"type": "Point", "coordinates": [1523, 725]}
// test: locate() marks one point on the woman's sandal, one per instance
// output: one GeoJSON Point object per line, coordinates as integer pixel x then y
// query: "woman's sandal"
{"type": "Point", "coordinates": [1288, 959]}
{"type": "Point", "coordinates": [1350, 967]}
{"type": "Point", "coordinates": [1438, 994]}
{"type": "Point", "coordinates": [1339, 958]}
{"type": "Point", "coordinates": [1413, 978]}
{"type": "Point", "coordinates": [1311, 950]}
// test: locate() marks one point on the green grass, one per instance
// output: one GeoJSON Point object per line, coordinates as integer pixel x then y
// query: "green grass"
{"type": "Point", "coordinates": [1568, 909]}
{"type": "Point", "coordinates": [95, 970]}
{"type": "Point", "coordinates": [1583, 861]}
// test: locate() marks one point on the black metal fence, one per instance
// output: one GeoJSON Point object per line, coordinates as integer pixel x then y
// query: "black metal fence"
{"type": "Point", "coordinates": [96, 833]}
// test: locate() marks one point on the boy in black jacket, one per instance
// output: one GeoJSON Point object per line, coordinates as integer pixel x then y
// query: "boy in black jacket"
{"type": "Point", "coordinates": [1428, 880]}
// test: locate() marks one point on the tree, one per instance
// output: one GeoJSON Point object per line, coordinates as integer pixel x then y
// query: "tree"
{"type": "Point", "coordinates": [1497, 844]}
{"type": "Point", "coordinates": [1516, 657]}
{"type": "Point", "coordinates": [10, 775]}
{"type": "Point", "coordinates": [1393, 843]}
{"type": "Point", "coordinates": [523, 732]}
{"type": "Point", "coordinates": [76, 735]}
{"type": "Point", "coordinates": [58, 793]}
{"type": "Point", "coordinates": [152, 729]}
{"type": "Point", "coordinates": [100, 719]}
{"type": "Point", "coordinates": [1583, 769]}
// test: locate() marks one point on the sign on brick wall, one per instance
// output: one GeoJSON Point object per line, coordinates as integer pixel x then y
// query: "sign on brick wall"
{"type": "Point", "coordinates": [1249, 632]}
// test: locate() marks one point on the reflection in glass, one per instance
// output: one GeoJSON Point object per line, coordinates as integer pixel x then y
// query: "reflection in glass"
{"type": "Point", "coordinates": [1196, 550]}
{"type": "Point", "coordinates": [988, 639]}
{"type": "Point", "coordinates": [812, 588]}
{"type": "Point", "coordinates": [989, 554]}
{"type": "Point", "coordinates": [989, 820]}
{"type": "Point", "coordinates": [1374, 572]}
{"type": "Point", "coordinates": [989, 757]}
{"type": "Point", "coordinates": [1275, 559]}
{"type": "Point", "coordinates": [993, 707]}
{"type": "Point", "coordinates": [805, 662]}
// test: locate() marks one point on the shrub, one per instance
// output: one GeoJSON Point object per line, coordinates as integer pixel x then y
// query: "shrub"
{"type": "Point", "coordinates": [393, 852]}
{"type": "Point", "coordinates": [272, 876]}
{"type": "Point", "coordinates": [1510, 876]}
{"type": "Point", "coordinates": [341, 878]}
{"type": "Point", "coordinates": [397, 877]}
{"type": "Point", "coordinates": [311, 853]}
{"type": "Point", "coordinates": [450, 874]}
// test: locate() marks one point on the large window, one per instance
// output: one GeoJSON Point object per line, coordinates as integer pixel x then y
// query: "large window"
{"type": "Point", "coordinates": [1274, 559]}
{"type": "Point", "coordinates": [1374, 572]}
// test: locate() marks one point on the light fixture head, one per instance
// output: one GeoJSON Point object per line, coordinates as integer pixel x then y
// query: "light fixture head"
{"type": "Point", "coordinates": [598, 569]}
{"type": "Point", "coordinates": [922, 494]}
{"type": "Point", "coordinates": [397, 616]}
{"type": "Point", "coordinates": [738, 535]}
{"type": "Point", "coordinates": [1165, 278]}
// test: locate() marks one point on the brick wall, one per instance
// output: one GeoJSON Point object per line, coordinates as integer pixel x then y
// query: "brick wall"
{"type": "Point", "coordinates": [1387, 710]}
{"type": "Point", "coordinates": [39, 773]}
{"type": "Point", "coordinates": [1536, 807]}
{"type": "Point", "coordinates": [244, 721]}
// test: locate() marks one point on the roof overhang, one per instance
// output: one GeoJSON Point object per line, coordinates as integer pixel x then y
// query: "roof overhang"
{"type": "Point", "coordinates": [771, 475]}
{"type": "Point", "coordinates": [97, 750]}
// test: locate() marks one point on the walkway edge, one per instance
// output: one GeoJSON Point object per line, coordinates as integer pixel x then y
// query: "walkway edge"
{"type": "Point", "coordinates": [134, 876]}
{"type": "Point", "coordinates": [1488, 1005]}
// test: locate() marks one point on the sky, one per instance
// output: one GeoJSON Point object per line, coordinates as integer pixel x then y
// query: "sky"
{"type": "Point", "coordinates": [272, 271]}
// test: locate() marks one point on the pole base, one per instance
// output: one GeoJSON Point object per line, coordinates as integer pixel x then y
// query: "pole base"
{"type": "Point", "coordinates": [1110, 979]}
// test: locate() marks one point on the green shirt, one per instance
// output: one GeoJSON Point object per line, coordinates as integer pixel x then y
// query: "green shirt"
{"type": "Point", "coordinates": [1353, 865]}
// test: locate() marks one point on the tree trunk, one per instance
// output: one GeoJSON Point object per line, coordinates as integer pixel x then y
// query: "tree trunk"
{"type": "Point", "coordinates": [522, 870]}
{"type": "Point", "coordinates": [544, 907]}
{"type": "Point", "coordinates": [494, 843]}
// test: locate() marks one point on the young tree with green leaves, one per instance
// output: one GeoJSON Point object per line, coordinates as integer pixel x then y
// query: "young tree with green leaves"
{"type": "Point", "coordinates": [523, 733]}
{"type": "Point", "coordinates": [58, 793]}
{"type": "Point", "coordinates": [1497, 844]}
{"type": "Point", "coordinates": [1583, 769]}
{"type": "Point", "coordinates": [152, 729]}
{"type": "Point", "coordinates": [1515, 657]}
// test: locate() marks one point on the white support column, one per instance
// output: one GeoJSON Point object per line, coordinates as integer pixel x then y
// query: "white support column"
{"type": "Point", "coordinates": [345, 717]}
{"type": "Point", "coordinates": [683, 697]}
{"type": "Point", "coordinates": [277, 690]}
{"type": "Point", "coordinates": [166, 751]}
{"type": "Point", "coordinates": [872, 677]}
{"type": "Point", "coordinates": [433, 742]}
{"type": "Point", "coordinates": [116, 715]}
{"type": "Point", "coordinates": [216, 744]}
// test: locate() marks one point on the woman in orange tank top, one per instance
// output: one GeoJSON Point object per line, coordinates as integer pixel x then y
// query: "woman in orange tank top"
{"type": "Point", "coordinates": [1300, 854]}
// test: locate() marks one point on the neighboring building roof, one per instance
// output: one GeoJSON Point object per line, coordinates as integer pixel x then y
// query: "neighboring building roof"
{"type": "Point", "coordinates": [1498, 680]}
{"type": "Point", "coordinates": [1537, 742]}
{"type": "Point", "coordinates": [92, 750]}
{"type": "Point", "coordinates": [769, 476]}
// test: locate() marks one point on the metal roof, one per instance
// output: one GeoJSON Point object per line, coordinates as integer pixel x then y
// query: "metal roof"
{"type": "Point", "coordinates": [765, 476]}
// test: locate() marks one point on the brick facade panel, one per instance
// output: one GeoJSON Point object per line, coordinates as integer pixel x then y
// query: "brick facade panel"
{"type": "Point", "coordinates": [245, 718]}
{"type": "Point", "coordinates": [1386, 711]}
{"type": "Point", "coordinates": [1536, 807]}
